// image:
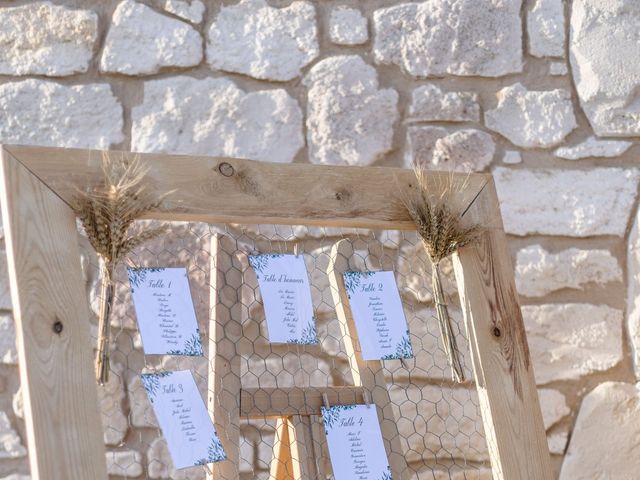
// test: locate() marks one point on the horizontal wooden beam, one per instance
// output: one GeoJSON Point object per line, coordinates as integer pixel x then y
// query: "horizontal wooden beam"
{"type": "Point", "coordinates": [284, 402]}
{"type": "Point", "coordinates": [225, 190]}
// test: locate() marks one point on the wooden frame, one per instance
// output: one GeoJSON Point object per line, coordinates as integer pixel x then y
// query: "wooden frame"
{"type": "Point", "coordinates": [61, 410]}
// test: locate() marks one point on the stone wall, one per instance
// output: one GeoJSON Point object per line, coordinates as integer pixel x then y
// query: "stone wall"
{"type": "Point", "coordinates": [542, 93]}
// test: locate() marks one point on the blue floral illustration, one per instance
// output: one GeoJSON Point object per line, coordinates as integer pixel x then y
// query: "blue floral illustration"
{"type": "Point", "coordinates": [214, 454]}
{"type": "Point", "coordinates": [192, 347]}
{"type": "Point", "coordinates": [137, 275]}
{"type": "Point", "coordinates": [330, 415]}
{"type": "Point", "coordinates": [352, 280]}
{"type": "Point", "coordinates": [403, 349]}
{"type": "Point", "coordinates": [260, 262]}
{"type": "Point", "coordinates": [151, 383]}
{"type": "Point", "coordinates": [387, 475]}
{"type": "Point", "coordinates": [309, 335]}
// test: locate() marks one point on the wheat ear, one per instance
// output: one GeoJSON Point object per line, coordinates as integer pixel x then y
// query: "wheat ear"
{"type": "Point", "coordinates": [440, 227]}
{"type": "Point", "coordinates": [106, 211]}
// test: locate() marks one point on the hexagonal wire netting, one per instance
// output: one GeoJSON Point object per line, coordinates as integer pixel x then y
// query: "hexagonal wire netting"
{"type": "Point", "coordinates": [439, 421]}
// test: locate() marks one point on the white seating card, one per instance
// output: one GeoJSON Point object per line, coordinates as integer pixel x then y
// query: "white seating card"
{"type": "Point", "coordinates": [165, 311]}
{"type": "Point", "coordinates": [377, 311]}
{"type": "Point", "coordinates": [286, 294]}
{"type": "Point", "coordinates": [355, 443]}
{"type": "Point", "coordinates": [183, 418]}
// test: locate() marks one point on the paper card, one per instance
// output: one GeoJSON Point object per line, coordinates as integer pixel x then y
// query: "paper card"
{"type": "Point", "coordinates": [183, 418]}
{"type": "Point", "coordinates": [355, 443]}
{"type": "Point", "coordinates": [377, 311]}
{"type": "Point", "coordinates": [165, 311]}
{"type": "Point", "coordinates": [286, 294]}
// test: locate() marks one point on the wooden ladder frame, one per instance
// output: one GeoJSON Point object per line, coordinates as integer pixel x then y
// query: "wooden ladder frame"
{"type": "Point", "coordinates": [64, 431]}
{"type": "Point", "coordinates": [299, 440]}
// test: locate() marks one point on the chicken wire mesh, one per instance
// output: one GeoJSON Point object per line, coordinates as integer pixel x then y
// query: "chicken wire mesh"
{"type": "Point", "coordinates": [439, 422]}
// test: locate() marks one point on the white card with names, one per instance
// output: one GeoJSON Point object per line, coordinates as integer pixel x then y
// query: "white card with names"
{"type": "Point", "coordinates": [165, 312]}
{"type": "Point", "coordinates": [286, 294]}
{"type": "Point", "coordinates": [185, 423]}
{"type": "Point", "coordinates": [355, 443]}
{"type": "Point", "coordinates": [378, 314]}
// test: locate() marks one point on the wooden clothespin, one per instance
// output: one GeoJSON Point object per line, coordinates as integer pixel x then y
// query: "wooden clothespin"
{"type": "Point", "coordinates": [325, 400]}
{"type": "Point", "coordinates": [295, 249]}
{"type": "Point", "coordinates": [248, 251]}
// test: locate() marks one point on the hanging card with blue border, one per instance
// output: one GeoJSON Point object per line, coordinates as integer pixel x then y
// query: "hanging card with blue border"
{"type": "Point", "coordinates": [355, 443]}
{"type": "Point", "coordinates": [165, 312]}
{"type": "Point", "coordinates": [185, 423]}
{"type": "Point", "coordinates": [286, 294]}
{"type": "Point", "coordinates": [378, 314]}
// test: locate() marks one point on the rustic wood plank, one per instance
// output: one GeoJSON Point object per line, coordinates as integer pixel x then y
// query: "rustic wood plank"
{"type": "Point", "coordinates": [281, 467]}
{"type": "Point", "coordinates": [64, 429]}
{"type": "Point", "coordinates": [278, 402]}
{"type": "Point", "coordinates": [301, 447]}
{"type": "Point", "coordinates": [224, 190]}
{"type": "Point", "coordinates": [293, 452]}
{"type": "Point", "coordinates": [225, 331]}
{"type": "Point", "coordinates": [319, 440]}
{"type": "Point", "coordinates": [367, 374]}
{"type": "Point", "coordinates": [504, 374]}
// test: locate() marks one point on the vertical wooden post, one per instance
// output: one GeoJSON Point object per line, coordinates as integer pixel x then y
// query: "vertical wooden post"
{"type": "Point", "coordinates": [64, 426]}
{"type": "Point", "coordinates": [225, 332]}
{"type": "Point", "coordinates": [293, 455]}
{"type": "Point", "coordinates": [366, 374]}
{"type": "Point", "coordinates": [319, 441]}
{"type": "Point", "coordinates": [301, 447]}
{"type": "Point", "coordinates": [281, 467]}
{"type": "Point", "coordinates": [504, 375]}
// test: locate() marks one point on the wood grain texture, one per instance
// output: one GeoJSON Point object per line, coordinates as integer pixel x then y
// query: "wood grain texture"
{"type": "Point", "coordinates": [281, 467]}
{"type": "Point", "coordinates": [63, 422]}
{"type": "Point", "coordinates": [225, 331]}
{"type": "Point", "coordinates": [320, 447]}
{"type": "Point", "coordinates": [278, 402]}
{"type": "Point", "coordinates": [366, 374]}
{"type": "Point", "coordinates": [224, 190]}
{"type": "Point", "coordinates": [301, 445]}
{"type": "Point", "coordinates": [504, 374]}
{"type": "Point", "coordinates": [294, 457]}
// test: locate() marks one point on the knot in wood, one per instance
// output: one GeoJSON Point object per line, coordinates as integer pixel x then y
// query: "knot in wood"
{"type": "Point", "coordinates": [58, 327]}
{"type": "Point", "coordinates": [343, 194]}
{"type": "Point", "coordinates": [226, 169]}
{"type": "Point", "coordinates": [497, 332]}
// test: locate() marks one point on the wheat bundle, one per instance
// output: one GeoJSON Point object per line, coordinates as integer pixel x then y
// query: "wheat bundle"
{"type": "Point", "coordinates": [441, 229]}
{"type": "Point", "coordinates": [107, 211]}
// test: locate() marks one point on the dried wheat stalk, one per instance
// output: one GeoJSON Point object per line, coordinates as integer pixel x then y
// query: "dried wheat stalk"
{"type": "Point", "coordinates": [106, 212]}
{"type": "Point", "coordinates": [442, 232]}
